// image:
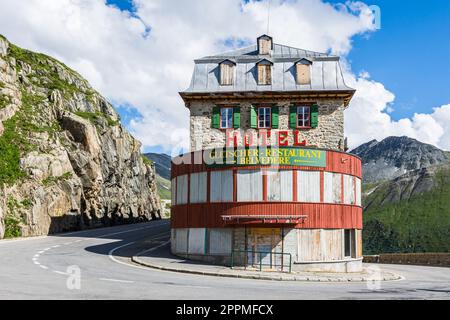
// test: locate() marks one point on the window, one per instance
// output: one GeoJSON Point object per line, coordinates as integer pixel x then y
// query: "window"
{"type": "Point", "coordinates": [249, 185]}
{"type": "Point", "coordinates": [264, 73]}
{"type": "Point", "coordinates": [303, 117]}
{"type": "Point", "coordinates": [349, 243]}
{"type": "Point", "coordinates": [226, 118]}
{"type": "Point", "coordinates": [264, 117]}
{"type": "Point", "coordinates": [226, 73]}
{"type": "Point", "coordinates": [303, 72]}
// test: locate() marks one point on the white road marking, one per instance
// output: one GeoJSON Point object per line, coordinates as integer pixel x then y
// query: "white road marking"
{"type": "Point", "coordinates": [152, 249]}
{"type": "Point", "coordinates": [36, 262]}
{"type": "Point", "coordinates": [43, 267]}
{"type": "Point", "coordinates": [116, 280]}
{"type": "Point", "coordinates": [60, 272]}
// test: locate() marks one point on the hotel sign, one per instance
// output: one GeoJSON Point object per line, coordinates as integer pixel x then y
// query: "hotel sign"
{"type": "Point", "coordinates": [282, 156]}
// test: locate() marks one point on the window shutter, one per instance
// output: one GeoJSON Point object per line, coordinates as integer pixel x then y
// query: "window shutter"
{"type": "Point", "coordinates": [216, 118]}
{"type": "Point", "coordinates": [275, 117]}
{"type": "Point", "coordinates": [253, 117]}
{"type": "Point", "coordinates": [236, 117]}
{"type": "Point", "coordinates": [314, 116]}
{"type": "Point", "coordinates": [293, 117]}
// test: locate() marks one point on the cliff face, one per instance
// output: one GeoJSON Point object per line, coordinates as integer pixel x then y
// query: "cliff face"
{"type": "Point", "coordinates": [406, 196]}
{"type": "Point", "coordinates": [66, 163]}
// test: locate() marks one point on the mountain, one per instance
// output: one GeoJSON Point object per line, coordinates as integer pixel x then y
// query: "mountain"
{"type": "Point", "coordinates": [163, 165]}
{"type": "Point", "coordinates": [406, 196]}
{"type": "Point", "coordinates": [66, 162]}
{"type": "Point", "coordinates": [162, 162]}
{"type": "Point", "coordinates": [395, 156]}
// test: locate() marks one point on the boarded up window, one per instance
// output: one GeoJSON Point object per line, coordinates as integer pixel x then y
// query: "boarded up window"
{"type": "Point", "coordinates": [173, 187]}
{"type": "Point", "coordinates": [220, 241]}
{"type": "Point", "coordinates": [319, 245]}
{"type": "Point", "coordinates": [249, 185]}
{"type": "Point", "coordinates": [279, 185]}
{"type": "Point", "coordinates": [332, 187]}
{"type": "Point", "coordinates": [221, 189]}
{"type": "Point", "coordinates": [358, 191]}
{"type": "Point", "coordinates": [303, 72]}
{"type": "Point", "coordinates": [265, 45]}
{"type": "Point", "coordinates": [182, 189]}
{"type": "Point", "coordinates": [264, 74]}
{"type": "Point", "coordinates": [308, 186]}
{"type": "Point", "coordinates": [349, 189]}
{"type": "Point", "coordinates": [196, 241]}
{"type": "Point", "coordinates": [197, 192]}
{"type": "Point", "coordinates": [181, 240]}
{"type": "Point", "coordinates": [226, 73]}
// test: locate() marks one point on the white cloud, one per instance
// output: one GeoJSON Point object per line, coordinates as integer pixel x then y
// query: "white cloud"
{"type": "Point", "coordinates": [146, 69]}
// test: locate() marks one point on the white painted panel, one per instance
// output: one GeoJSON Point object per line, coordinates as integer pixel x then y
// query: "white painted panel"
{"type": "Point", "coordinates": [220, 241]}
{"type": "Point", "coordinates": [308, 186]}
{"type": "Point", "coordinates": [319, 245]}
{"type": "Point", "coordinates": [173, 188]}
{"type": "Point", "coordinates": [193, 188]}
{"type": "Point", "coordinates": [332, 187]}
{"type": "Point", "coordinates": [349, 189]}
{"type": "Point", "coordinates": [358, 191]}
{"type": "Point", "coordinates": [249, 185]}
{"type": "Point", "coordinates": [202, 186]}
{"type": "Point", "coordinates": [182, 189]}
{"type": "Point", "coordinates": [216, 186]}
{"type": "Point", "coordinates": [279, 185]}
{"type": "Point", "coordinates": [197, 192]}
{"type": "Point", "coordinates": [227, 186]}
{"type": "Point", "coordinates": [273, 185]}
{"type": "Point", "coordinates": [181, 240]}
{"type": "Point", "coordinates": [286, 185]}
{"type": "Point", "coordinates": [196, 241]}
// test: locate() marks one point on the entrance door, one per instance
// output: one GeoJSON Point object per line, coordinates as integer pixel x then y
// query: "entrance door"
{"type": "Point", "coordinates": [262, 244]}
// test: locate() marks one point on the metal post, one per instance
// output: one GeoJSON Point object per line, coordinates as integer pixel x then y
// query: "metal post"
{"type": "Point", "coordinates": [260, 262]}
{"type": "Point", "coordinates": [290, 263]}
{"type": "Point", "coordinates": [232, 259]}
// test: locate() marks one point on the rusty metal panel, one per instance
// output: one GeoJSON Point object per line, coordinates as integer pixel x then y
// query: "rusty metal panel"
{"type": "Point", "coordinates": [358, 191]}
{"type": "Point", "coordinates": [220, 241]}
{"type": "Point", "coordinates": [249, 185]}
{"type": "Point", "coordinates": [181, 240]}
{"type": "Point", "coordinates": [197, 192]}
{"type": "Point", "coordinates": [308, 186]}
{"type": "Point", "coordinates": [182, 189]}
{"type": "Point", "coordinates": [349, 189]}
{"type": "Point", "coordinates": [196, 241]}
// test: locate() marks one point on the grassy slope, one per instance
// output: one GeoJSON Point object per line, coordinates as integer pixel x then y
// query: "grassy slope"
{"type": "Point", "coordinates": [163, 187]}
{"type": "Point", "coordinates": [421, 224]}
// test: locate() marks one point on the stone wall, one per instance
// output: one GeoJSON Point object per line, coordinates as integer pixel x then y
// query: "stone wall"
{"type": "Point", "coordinates": [426, 259]}
{"type": "Point", "coordinates": [329, 134]}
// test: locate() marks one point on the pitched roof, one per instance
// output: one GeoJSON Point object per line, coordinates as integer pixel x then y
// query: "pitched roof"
{"type": "Point", "coordinates": [326, 72]}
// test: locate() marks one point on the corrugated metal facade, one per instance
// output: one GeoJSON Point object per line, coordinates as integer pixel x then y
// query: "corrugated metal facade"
{"type": "Point", "coordinates": [220, 241]}
{"type": "Point", "coordinates": [308, 186]}
{"type": "Point", "coordinates": [197, 241]}
{"type": "Point", "coordinates": [221, 186]}
{"type": "Point", "coordinates": [249, 185]}
{"type": "Point", "coordinates": [198, 185]}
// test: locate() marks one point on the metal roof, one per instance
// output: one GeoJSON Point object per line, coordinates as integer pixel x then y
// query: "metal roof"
{"type": "Point", "coordinates": [326, 72]}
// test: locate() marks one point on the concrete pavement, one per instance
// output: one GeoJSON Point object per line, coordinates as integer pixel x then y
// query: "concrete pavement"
{"type": "Point", "coordinates": [159, 257]}
{"type": "Point", "coordinates": [99, 262]}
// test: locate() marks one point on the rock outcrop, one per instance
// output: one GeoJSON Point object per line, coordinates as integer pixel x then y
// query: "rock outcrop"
{"type": "Point", "coordinates": [66, 162]}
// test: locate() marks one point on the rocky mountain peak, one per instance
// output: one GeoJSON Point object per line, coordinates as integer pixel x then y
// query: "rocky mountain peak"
{"type": "Point", "coordinates": [395, 156]}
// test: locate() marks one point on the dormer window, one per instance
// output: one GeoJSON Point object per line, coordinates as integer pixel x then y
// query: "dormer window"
{"type": "Point", "coordinates": [303, 71]}
{"type": "Point", "coordinates": [264, 68]}
{"type": "Point", "coordinates": [265, 44]}
{"type": "Point", "coordinates": [227, 72]}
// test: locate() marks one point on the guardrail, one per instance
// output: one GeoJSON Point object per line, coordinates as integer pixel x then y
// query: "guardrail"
{"type": "Point", "coordinates": [260, 259]}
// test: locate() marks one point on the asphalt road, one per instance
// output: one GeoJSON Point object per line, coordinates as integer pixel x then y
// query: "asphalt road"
{"type": "Point", "coordinates": [48, 268]}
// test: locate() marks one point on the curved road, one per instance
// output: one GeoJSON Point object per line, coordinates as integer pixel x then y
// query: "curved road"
{"type": "Point", "coordinates": [47, 268]}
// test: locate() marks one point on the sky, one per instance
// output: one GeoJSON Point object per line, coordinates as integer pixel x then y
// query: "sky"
{"type": "Point", "coordinates": [139, 54]}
